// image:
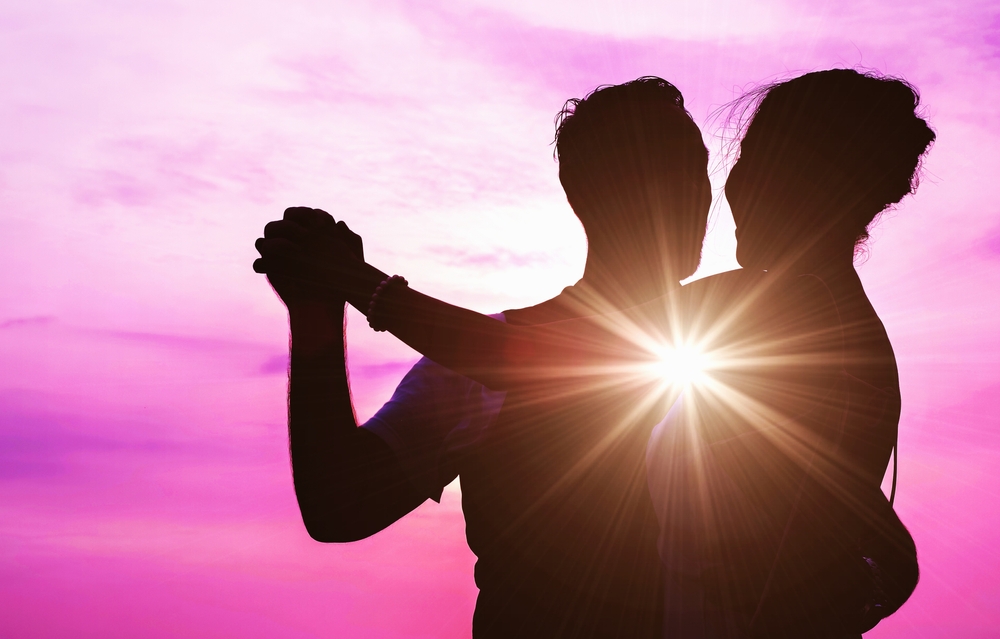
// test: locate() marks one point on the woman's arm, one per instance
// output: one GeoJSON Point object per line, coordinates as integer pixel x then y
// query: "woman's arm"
{"type": "Point", "coordinates": [500, 355]}
{"type": "Point", "coordinates": [493, 353]}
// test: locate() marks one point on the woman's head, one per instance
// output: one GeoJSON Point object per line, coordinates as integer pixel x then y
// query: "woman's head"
{"type": "Point", "coordinates": [823, 155]}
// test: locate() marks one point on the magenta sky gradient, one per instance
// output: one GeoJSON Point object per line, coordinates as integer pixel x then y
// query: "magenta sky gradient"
{"type": "Point", "coordinates": [144, 481]}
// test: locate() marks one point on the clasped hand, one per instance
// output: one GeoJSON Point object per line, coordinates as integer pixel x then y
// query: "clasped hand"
{"type": "Point", "coordinates": [310, 258]}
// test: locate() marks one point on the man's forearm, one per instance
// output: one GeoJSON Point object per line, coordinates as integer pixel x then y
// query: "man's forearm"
{"type": "Point", "coordinates": [319, 399]}
{"type": "Point", "coordinates": [320, 414]}
{"type": "Point", "coordinates": [347, 481]}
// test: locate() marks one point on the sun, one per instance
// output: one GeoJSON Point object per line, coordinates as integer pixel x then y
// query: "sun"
{"type": "Point", "coordinates": [683, 365]}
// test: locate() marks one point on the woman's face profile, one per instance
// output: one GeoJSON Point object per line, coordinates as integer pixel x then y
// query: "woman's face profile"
{"type": "Point", "coordinates": [747, 198]}
{"type": "Point", "coordinates": [778, 204]}
{"type": "Point", "coordinates": [734, 192]}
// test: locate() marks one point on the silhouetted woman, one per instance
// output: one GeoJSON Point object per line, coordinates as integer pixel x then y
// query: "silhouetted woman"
{"type": "Point", "coordinates": [767, 480]}
{"type": "Point", "coordinates": [799, 419]}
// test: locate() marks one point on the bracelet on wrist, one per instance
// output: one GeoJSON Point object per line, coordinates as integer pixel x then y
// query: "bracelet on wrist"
{"type": "Point", "coordinates": [378, 323]}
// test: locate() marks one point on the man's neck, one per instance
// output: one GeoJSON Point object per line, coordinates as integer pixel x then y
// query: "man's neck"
{"type": "Point", "coordinates": [618, 285]}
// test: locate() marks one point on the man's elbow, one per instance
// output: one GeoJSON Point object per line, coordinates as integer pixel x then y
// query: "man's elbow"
{"type": "Point", "coordinates": [328, 531]}
{"type": "Point", "coordinates": [328, 516]}
{"type": "Point", "coordinates": [328, 535]}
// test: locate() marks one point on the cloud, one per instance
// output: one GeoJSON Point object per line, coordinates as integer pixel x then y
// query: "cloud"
{"type": "Point", "coordinates": [275, 365]}
{"type": "Point", "coordinates": [992, 38]}
{"type": "Point", "coordinates": [394, 368]}
{"type": "Point", "coordinates": [43, 436]}
{"type": "Point", "coordinates": [494, 259]}
{"type": "Point", "coordinates": [23, 322]}
{"type": "Point", "coordinates": [175, 341]}
{"type": "Point", "coordinates": [991, 243]}
{"type": "Point", "coordinates": [154, 170]}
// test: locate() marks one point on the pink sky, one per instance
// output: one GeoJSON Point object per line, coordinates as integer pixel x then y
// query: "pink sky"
{"type": "Point", "coordinates": [144, 480]}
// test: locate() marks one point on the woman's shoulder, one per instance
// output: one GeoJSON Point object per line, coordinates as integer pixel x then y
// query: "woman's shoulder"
{"type": "Point", "coordinates": [741, 282]}
{"type": "Point", "coordinates": [745, 292]}
{"type": "Point", "coordinates": [733, 280]}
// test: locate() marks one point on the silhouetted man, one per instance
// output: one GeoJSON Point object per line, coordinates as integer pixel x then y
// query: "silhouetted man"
{"type": "Point", "coordinates": [634, 168]}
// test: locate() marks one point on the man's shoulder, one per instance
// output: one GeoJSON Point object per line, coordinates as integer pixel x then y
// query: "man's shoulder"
{"type": "Point", "coordinates": [426, 375]}
{"type": "Point", "coordinates": [563, 306]}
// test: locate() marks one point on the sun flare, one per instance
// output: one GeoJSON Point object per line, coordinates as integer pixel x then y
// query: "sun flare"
{"type": "Point", "coordinates": [683, 365]}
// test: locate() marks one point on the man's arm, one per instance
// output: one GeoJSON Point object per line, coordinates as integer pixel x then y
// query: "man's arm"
{"type": "Point", "coordinates": [348, 482]}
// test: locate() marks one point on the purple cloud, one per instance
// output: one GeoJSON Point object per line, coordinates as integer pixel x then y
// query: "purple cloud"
{"type": "Point", "coordinates": [992, 243]}
{"type": "Point", "coordinates": [497, 258]}
{"type": "Point", "coordinates": [276, 365]}
{"type": "Point", "coordinates": [22, 322]}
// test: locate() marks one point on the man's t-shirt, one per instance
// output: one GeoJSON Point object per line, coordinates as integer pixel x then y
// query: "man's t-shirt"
{"type": "Point", "coordinates": [433, 415]}
{"type": "Point", "coordinates": [553, 490]}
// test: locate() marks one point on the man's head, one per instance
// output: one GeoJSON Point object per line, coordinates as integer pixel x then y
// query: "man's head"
{"type": "Point", "coordinates": [634, 166]}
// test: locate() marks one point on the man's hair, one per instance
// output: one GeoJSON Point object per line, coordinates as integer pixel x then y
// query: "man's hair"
{"type": "Point", "coordinates": [631, 156]}
{"type": "Point", "coordinates": [580, 114]}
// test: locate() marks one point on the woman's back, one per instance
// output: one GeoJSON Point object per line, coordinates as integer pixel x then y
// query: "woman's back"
{"type": "Point", "coordinates": [816, 584]}
{"type": "Point", "coordinates": [784, 445]}
{"type": "Point", "coordinates": [822, 156]}
{"type": "Point", "coordinates": [870, 361]}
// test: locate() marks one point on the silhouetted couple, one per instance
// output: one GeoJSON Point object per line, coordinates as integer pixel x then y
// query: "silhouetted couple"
{"type": "Point", "coordinates": [755, 509]}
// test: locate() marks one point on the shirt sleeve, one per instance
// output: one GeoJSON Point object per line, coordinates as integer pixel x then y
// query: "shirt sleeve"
{"type": "Point", "coordinates": [433, 412]}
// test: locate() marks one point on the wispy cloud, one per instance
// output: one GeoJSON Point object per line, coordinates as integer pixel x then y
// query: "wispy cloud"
{"type": "Point", "coordinates": [275, 365]}
{"type": "Point", "coordinates": [498, 258]}
{"type": "Point", "coordinates": [23, 322]}
{"type": "Point", "coordinates": [991, 243]}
